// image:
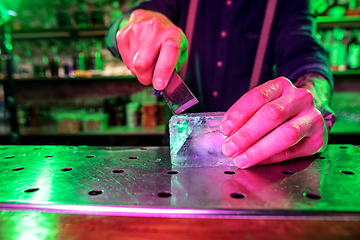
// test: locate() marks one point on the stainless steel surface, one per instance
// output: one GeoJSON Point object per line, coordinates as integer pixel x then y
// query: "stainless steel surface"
{"type": "Point", "coordinates": [82, 179]}
{"type": "Point", "coordinates": [178, 96]}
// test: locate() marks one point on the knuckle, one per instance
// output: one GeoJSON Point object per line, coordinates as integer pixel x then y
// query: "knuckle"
{"type": "Point", "coordinates": [171, 43]}
{"type": "Point", "coordinates": [133, 27]}
{"type": "Point", "coordinates": [283, 80]}
{"type": "Point", "coordinates": [305, 95]}
{"type": "Point", "coordinates": [176, 31]}
{"type": "Point", "coordinates": [258, 153]}
{"type": "Point", "coordinates": [292, 133]}
{"type": "Point", "coordinates": [286, 154]}
{"type": "Point", "coordinates": [155, 24]}
{"type": "Point", "coordinates": [260, 95]}
{"type": "Point", "coordinates": [274, 111]}
{"type": "Point", "coordinates": [140, 65]}
{"type": "Point", "coordinates": [236, 114]}
{"type": "Point", "coordinates": [163, 69]}
{"type": "Point", "coordinates": [245, 134]}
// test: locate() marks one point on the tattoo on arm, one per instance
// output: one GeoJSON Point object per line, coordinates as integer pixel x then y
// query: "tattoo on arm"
{"type": "Point", "coordinates": [322, 94]}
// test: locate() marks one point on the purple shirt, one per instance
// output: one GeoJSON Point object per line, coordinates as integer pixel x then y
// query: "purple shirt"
{"type": "Point", "coordinates": [225, 40]}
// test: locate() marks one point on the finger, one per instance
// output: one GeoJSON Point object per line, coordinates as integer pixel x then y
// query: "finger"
{"type": "Point", "coordinates": [267, 118]}
{"type": "Point", "coordinates": [135, 43]}
{"type": "Point", "coordinates": [301, 149]}
{"type": "Point", "coordinates": [280, 139]}
{"type": "Point", "coordinates": [165, 65]}
{"type": "Point", "coordinates": [146, 57]}
{"type": "Point", "coordinates": [123, 42]}
{"type": "Point", "coordinates": [251, 102]}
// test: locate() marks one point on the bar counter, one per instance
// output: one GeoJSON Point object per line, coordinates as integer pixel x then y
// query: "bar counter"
{"type": "Point", "coordinates": [80, 192]}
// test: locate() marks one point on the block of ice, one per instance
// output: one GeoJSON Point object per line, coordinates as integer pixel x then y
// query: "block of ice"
{"type": "Point", "coordinates": [195, 140]}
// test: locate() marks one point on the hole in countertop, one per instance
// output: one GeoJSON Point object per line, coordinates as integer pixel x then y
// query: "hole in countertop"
{"type": "Point", "coordinates": [312, 195]}
{"type": "Point", "coordinates": [164, 194]}
{"type": "Point", "coordinates": [289, 172]}
{"type": "Point", "coordinates": [237, 195]}
{"type": "Point", "coordinates": [66, 169]}
{"type": "Point", "coordinates": [96, 192]}
{"type": "Point", "coordinates": [32, 190]}
{"type": "Point", "coordinates": [18, 169]}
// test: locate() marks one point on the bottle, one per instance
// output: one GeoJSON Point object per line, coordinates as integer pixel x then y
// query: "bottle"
{"type": "Point", "coordinates": [79, 57]}
{"type": "Point", "coordinates": [63, 17]}
{"type": "Point", "coordinates": [354, 51]}
{"type": "Point", "coordinates": [81, 17]}
{"type": "Point", "coordinates": [54, 61]}
{"type": "Point", "coordinates": [97, 17]}
{"type": "Point", "coordinates": [26, 70]}
{"type": "Point", "coordinates": [115, 13]}
{"type": "Point", "coordinates": [2, 65]}
{"type": "Point", "coordinates": [338, 51]}
{"type": "Point", "coordinates": [66, 62]}
{"type": "Point", "coordinates": [96, 58]}
{"type": "Point", "coordinates": [353, 8]}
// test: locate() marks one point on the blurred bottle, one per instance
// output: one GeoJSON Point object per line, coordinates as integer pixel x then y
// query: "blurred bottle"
{"type": "Point", "coordinates": [54, 61]}
{"type": "Point", "coordinates": [97, 17]}
{"type": "Point", "coordinates": [4, 116]}
{"type": "Point", "coordinates": [26, 69]}
{"type": "Point", "coordinates": [63, 17]}
{"type": "Point", "coordinates": [354, 51]}
{"type": "Point", "coordinates": [115, 13]}
{"type": "Point", "coordinates": [96, 58]}
{"type": "Point", "coordinates": [353, 8]}
{"type": "Point", "coordinates": [82, 60]}
{"type": "Point", "coordinates": [338, 52]}
{"type": "Point", "coordinates": [16, 63]}
{"type": "Point", "coordinates": [116, 110]}
{"type": "Point", "coordinates": [81, 17]}
{"type": "Point", "coordinates": [79, 58]}
{"type": "Point", "coordinates": [40, 59]}
{"type": "Point", "coordinates": [66, 62]}
{"type": "Point", "coordinates": [2, 65]}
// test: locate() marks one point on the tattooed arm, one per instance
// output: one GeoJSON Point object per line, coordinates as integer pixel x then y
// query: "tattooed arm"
{"type": "Point", "coordinates": [322, 94]}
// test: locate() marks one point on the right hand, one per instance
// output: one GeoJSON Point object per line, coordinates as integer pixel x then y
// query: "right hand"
{"type": "Point", "coordinates": [151, 46]}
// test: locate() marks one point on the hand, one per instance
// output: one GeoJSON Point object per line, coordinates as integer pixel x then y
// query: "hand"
{"type": "Point", "coordinates": [271, 123]}
{"type": "Point", "coordinates": [151, 46]}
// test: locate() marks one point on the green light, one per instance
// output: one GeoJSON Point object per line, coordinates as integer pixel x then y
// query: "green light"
{"type": "Point", "coordinates": [9, 46]}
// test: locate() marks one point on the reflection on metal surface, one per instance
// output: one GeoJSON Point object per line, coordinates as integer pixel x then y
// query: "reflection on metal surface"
{"type": "Point", "coordinates": [134, 181]}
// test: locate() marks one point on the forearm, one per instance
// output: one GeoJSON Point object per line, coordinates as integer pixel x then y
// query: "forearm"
{"type": "Point", "coordinates": [322, 94]}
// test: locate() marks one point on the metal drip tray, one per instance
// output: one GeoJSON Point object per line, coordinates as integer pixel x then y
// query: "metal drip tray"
{"type": "Point", "coordinates": [142, 181]}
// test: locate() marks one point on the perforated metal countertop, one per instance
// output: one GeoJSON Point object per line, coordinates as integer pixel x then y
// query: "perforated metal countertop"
{"type": "Point", "coordinates": [133, 181]}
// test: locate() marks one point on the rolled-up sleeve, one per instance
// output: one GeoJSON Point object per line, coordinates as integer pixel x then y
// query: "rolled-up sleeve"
{"type": "Point", "coordinates": [297, 50]}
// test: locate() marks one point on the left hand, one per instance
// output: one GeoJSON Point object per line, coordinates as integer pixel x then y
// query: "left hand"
{"type": "Point", "coordinates": [273, 122]}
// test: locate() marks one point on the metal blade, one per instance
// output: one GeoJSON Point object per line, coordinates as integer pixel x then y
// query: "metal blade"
{"type": "Point", "coordinates": [178, 96]}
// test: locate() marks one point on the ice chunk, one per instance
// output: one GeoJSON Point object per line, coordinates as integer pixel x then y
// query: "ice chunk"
{"type": "Point", "coordinates": [195, 140]}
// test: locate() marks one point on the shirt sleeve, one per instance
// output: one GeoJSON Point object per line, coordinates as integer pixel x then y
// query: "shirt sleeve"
{"type": "Point", "coordinates": [297, 50]}
{"type": "Point", "coordinates": [170, 8]}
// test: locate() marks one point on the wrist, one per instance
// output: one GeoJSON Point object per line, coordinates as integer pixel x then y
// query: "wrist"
{"type": "Point", "coordinates": [322, 94]}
